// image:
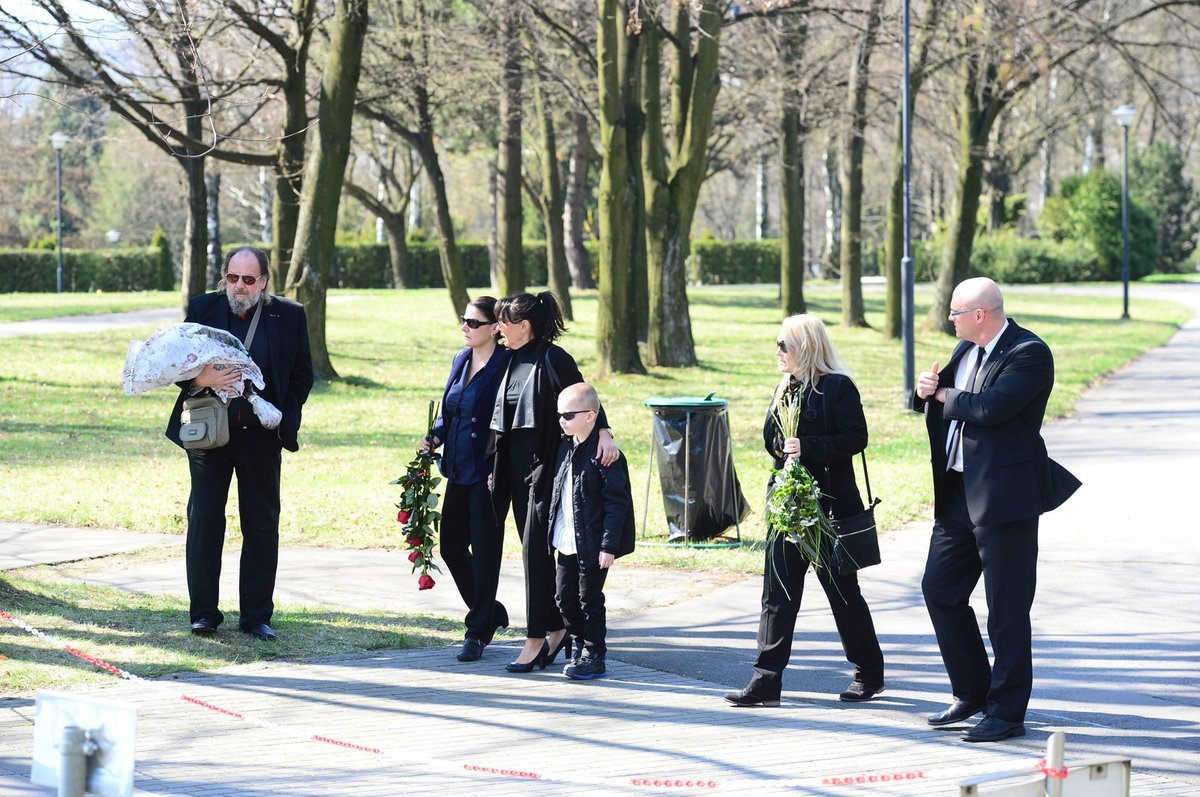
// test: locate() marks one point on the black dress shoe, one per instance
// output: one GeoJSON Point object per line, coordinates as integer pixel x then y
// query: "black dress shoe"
{"type": "Point", "coordinates": [746, 699]}
{"type": "Point", "coordinates": [993, 729]}
{"type": "Point", "coordinates": [261, 631]}
{"type": "Point", "coordinates": [204, 627]}
{"type": "Point", "coordinates": [472, 649]}
{"type": "Point", "coordinates": [859, 692]}
{"type": "Point", "coordinates": [499, 620]}
{"type": "Point", "coordinates": [957, 711]}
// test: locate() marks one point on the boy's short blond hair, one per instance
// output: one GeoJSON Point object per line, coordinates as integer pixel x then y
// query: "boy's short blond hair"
{"type": "Point", "coordinates": [584, 393]}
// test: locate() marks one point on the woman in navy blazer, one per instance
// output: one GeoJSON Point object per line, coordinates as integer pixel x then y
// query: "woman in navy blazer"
{"type": "Point", "coordinates": [471, 535]}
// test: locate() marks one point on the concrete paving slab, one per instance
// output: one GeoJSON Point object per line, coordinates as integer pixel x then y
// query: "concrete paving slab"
{"type": "Point", "coordinates": [83, 324]}
{"type": "Point", "coordinates": [27, 544]}
{"type": "Point", "coordinates": [420, 723]}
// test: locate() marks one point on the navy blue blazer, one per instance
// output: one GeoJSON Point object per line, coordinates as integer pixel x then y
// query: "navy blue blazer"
{"type": "Point", "coordinates": [1007, 474]}
{"type": "Point", "coordinates": [480, 412]}
{"type": "Point", "coordinates": [286, 327]}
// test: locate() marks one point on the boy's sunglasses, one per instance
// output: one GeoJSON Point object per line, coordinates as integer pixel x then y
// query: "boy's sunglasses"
{"type": "Point", "coordinates": [474, 323]}
{"type": "Point", "coordinates": [570, 416]}
{"type": "Point", "coordinates": [249, 279]}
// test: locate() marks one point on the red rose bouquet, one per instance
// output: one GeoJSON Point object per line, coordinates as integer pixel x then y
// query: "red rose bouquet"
{"type": "Point", "coordinates": [418, 513]}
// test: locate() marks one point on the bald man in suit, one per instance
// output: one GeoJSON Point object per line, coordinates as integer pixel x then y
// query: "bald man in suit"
{"type": "Point", "coordinates": [992, 480]}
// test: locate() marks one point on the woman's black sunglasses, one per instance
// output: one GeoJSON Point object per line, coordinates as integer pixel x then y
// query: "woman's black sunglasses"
{"type": "Point", "coordinates": [782, 344]}
{"type": "Point", "coordinates": [473, 323]}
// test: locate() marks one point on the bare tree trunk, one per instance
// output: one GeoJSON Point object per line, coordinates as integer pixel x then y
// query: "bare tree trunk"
{"type": "Point", "coordinates": [576, 203]}
{"type": "Point", "coordinates": [620, 204]}
{"type": "Point", "coordinates": [852, 175]}
{"type": "Point", "coordinates": [671, 192]}
{"type": "Point", "coordinates": [894, 235]}
{"type": "Point", "coordinates": [762, 204]}
{"type": "Point", "coordinates": [558, 277]}
{"type": "Point", "coordinates": [976, 116]}
{"type": "Point", "coordinates": [832, 187]}
{"type": "Point", "coordinates": [793, 131]}
{"type": "Point", "coordinates": [264, 207]}
{"type": "Point", "coordinates": [493, 242]}
{"type": "Point", "coordinates": [510, 255]}
{"type": "Point", "coordinates": [324, 172]}
{"type": "Point", "coordinates": [212, 186]}
{"type": "Point", "coordinates": [195, 234]}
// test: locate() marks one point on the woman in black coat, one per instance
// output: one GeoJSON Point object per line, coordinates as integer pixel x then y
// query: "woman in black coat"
{"type": "Point", "coordinates": [831, 431]}
{"type": "Point", "coordinates": [471, 538]}
{"type": "Point", "coordinates": [526, 434]}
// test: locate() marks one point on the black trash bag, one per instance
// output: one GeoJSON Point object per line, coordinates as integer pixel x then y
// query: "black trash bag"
{"type": "Point", "coordinates": [705, 472]}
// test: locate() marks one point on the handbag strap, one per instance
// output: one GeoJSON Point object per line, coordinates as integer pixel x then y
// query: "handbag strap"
{"type": "Point", "coordinates": [863, 454]}
{"type": "Point", "coordinates": [253, 326]}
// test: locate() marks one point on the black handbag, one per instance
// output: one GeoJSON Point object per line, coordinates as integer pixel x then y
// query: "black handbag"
{"type": "Point", "coordinates": [857, 543]}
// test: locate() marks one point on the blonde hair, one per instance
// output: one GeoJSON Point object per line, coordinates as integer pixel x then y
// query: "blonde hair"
{"type": "Point", "coordinates": [812, 352]}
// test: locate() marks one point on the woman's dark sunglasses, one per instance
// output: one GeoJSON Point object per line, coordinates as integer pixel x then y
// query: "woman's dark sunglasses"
{"type": "Point", "coordinates": [249, 279]}
{"type": "Point", "coordinates": [570, 416]}
{"type": "Point", "coordinates": [474, 323]}
{"type": "Point", "coordinates": [782, 344]}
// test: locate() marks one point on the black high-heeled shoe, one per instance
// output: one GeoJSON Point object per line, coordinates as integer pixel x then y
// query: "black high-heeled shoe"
{"type": "Point", "coordinates": [565, 642]}
{"type": "Point", "coordinates": [538, 661]}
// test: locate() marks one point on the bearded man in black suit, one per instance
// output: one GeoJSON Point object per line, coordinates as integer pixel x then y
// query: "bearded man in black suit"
{"type": "Point", "coordinates": [992, 480]}
{"type": "Point", "coordinates": [280, 348]}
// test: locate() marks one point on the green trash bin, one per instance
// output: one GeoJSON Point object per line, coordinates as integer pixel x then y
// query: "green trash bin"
{"type": "Point", "coordinates": [701, 494]}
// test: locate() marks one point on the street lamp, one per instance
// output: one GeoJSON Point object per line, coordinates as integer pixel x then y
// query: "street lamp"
{"type": "Point", "coordinates": [1125, 116]}
{"type": "Point", "coordinates": [907, 276]}
{"type": "Point", "coordinates": [58, 140]}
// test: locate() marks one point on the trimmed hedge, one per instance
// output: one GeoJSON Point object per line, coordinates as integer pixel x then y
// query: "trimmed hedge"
{"type": "Point", "coordinates": [717, 262]}
{"type": "Point", "coordinates": [1012, 260]}
{"type": "Point", "coordinates": [85, 270]}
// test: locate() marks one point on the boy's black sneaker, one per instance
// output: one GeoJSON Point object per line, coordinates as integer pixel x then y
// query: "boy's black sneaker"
{"type": "Point", "coordinates": [585, 668]}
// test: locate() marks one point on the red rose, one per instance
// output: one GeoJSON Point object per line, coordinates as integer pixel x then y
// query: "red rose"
{"type": "Point", "coordinates": [414, 542]}
{"type": "Point", "coordinates": [425, 582]}
{"type": "Point", "coordinates": [414, 556]}
{"type": "Point", "coordinates": [403, 515]}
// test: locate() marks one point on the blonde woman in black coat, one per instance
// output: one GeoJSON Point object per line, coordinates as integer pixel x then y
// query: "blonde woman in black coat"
{"type": "Point", "coordinates": [831, 431]}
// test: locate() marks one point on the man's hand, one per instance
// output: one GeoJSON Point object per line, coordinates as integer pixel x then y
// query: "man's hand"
{"type": "Point", "coordinates": [217, 377]}
{"type": "Point", "coordinates": [927, 383]}
{"type": "Point", "coordinates": [606, 560]}
{"type": "Point", "coordinates": [607, 450]}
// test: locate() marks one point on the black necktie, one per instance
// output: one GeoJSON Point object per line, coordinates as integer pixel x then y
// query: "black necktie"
{"type": "Point", "coordinates": [956, 435]}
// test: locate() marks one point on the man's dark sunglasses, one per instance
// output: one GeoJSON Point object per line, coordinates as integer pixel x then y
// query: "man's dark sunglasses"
{"type": "Point", "coordinates": [249, 279]}
{"type": "Point", "coordinates": [570, 416]}
{"type": "Point", "coordinates": [474, 323]}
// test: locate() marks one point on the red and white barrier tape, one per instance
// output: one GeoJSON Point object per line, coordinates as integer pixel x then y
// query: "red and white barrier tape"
{"type": "Point", "coordinates": [656, 782]}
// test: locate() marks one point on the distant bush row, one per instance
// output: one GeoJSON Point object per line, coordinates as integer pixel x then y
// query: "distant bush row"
{"type": "Point", "coordinates": [1004, 256]}
{"type": "Point", "coordinates": [36, 270]}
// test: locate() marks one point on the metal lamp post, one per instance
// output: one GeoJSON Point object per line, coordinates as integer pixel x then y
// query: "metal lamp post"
{"type": "Point", "coordinates": [1125, 116]}
{"type": "Point", "coordinates": [907, 309]}
{"type": "Point", "coordinates": [58, 140]}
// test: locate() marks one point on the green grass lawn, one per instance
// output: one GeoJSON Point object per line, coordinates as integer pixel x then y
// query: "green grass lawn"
{"type": "Point", "coordinates": [28, 306]}
{"type": "Point", "coordinates": [75, 450]}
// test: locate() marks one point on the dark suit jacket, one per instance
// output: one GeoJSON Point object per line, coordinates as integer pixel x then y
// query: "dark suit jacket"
{"type": "Point", "coordinates": [481, 412]}
{"type": "Point", "coordinates": [286, 327]}
{"type": "Point", "coordinates": [832, 431]}
{"type": "Point", "coordinates": [1007, 474]}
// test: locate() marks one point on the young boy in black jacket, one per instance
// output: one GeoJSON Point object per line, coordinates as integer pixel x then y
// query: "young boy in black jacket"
{"type": "Point", "coordinates": [591, 525]}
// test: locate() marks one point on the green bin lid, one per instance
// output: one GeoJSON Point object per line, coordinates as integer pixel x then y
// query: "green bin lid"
{"type": "Point", "coordinates": [686, 402]}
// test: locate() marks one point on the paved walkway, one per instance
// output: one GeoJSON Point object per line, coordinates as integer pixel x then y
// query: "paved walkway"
{"type": "Point", "coordinates": [1117, 659]}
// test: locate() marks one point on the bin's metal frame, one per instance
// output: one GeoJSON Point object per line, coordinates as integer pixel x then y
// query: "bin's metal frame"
{"type": "Point", "coordinates": [687, 488]}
